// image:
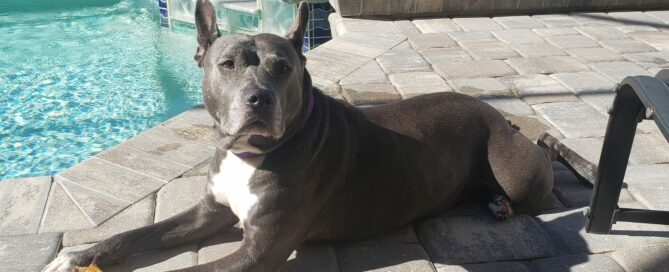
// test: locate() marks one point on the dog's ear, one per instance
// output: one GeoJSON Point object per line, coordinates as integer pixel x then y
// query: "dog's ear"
{"type": "Point", "coordinates": [207, 30]}
{"type": "Point", "coordinates": [296, 32]}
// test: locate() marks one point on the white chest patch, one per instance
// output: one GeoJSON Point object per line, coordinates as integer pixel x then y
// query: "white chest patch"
{"type": "Point", "coordinates": [232, 183]}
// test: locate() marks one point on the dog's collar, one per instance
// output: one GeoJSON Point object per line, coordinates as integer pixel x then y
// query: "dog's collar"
{"type": "Point", "coordinates": [305, 118]}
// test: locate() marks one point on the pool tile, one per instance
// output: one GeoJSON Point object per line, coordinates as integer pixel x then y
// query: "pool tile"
{"type": "Point", "coordinates": [112, 179]}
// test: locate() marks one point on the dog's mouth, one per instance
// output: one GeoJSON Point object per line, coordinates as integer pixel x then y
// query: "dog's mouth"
{"type": "Point", "coordinates": [253, 127]}
{"type": "Point", "coordinates": [256, 127]}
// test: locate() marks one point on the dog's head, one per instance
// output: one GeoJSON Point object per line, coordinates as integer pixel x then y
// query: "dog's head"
{"type": "Point", "coordinates": [254, 86]}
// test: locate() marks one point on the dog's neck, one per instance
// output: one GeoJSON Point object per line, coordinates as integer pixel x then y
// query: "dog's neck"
{"type": "Point", "coordinates": [308, 110]}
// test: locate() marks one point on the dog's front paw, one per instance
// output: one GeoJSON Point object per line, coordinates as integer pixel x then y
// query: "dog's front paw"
{"type": "Point", "coordinates": [500, 206]}
{"type": "Point", "coordinates": [63, 263]}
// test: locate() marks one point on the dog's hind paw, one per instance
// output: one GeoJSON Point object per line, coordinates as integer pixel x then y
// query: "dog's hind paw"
{"type": "Point", "coordinates": [500, 206]}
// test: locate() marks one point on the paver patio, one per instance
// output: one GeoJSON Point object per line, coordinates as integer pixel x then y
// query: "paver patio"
{"type": "Point", "coordinates": [553, 73]}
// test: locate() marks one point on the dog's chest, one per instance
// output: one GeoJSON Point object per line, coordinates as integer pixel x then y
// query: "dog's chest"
{"type": "Point", "coordinates": [232, 184]}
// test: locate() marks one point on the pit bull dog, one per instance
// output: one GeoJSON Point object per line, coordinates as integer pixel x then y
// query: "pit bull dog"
{"type": "Point", "coordinates": [293, 165]}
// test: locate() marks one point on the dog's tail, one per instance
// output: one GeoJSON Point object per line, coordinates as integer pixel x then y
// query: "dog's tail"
{"type": "Point", "coordinates": [514, 126]}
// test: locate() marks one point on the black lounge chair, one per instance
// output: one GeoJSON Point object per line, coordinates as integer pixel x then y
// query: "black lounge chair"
{"type": "Point", "coordinates": [637, 98]}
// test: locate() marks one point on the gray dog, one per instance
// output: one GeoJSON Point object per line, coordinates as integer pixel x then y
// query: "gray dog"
{"type": "Point", "coordinates": [293, 165]}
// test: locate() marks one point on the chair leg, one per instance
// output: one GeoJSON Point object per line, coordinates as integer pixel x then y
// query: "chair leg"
{"type": "Point", "coordinates": [613, 161]}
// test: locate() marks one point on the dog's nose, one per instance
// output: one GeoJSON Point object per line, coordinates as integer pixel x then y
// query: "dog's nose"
{"type": "Point", "coordinates": [259, 99]}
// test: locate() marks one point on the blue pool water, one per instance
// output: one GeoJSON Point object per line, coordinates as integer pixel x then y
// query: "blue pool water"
{"type": "Point", "coordinates": [80, 76]}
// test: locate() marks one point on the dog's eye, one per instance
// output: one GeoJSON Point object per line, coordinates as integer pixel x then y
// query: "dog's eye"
{"type": "Point", "coordinates": [228, 64]}
{"type": "Point", "coordinates": [283, 68]}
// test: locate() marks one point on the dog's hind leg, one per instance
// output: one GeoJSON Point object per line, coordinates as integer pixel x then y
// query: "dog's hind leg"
{"type": "Point", "coordinates": [522, 169]}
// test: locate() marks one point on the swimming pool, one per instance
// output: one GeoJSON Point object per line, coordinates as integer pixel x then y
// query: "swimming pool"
{"type": "Point", "coordinates": [81, 76]}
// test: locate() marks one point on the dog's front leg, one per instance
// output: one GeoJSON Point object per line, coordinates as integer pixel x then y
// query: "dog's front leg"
{"type": "Point", "coordinates": [268, 242]}
{"type": "Point", "coordinates": [202, 220]}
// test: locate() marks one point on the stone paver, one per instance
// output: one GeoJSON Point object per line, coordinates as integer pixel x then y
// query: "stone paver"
{"type": "Point", "coordinates": [473, 69]}
{"type": "Point", "coordinates": [178, 196]}
{"type": "Point", "coordinates": [97, 206]}
{"type": "Point", "coordinates": [348, 45]}
{"type": "Point", "coordinates": [573, 119]}
{"type": "Point", "coordinates": [536, 88]}
{"type": "Point", "coordinates": [471, 35]}
{"type": "Point", "coordinates": [28, 252]}
{"type": "Point", "coordinates": [649, 59]}
{"type": "Point", "coordinates": [589, 148]}
{"type": "Point", "coordinates": [181, 145]}
{"type": "Point", "coordinates": [532, 126]}
{"type": "Point", "coordinates": [200, 170]}
{"type": "Point", "coordinates": [646, 259]}
{"type": "Point", "coordinates": [368, 73]}
{"type": "Point", "coordinates": [569, 190]}
{"type": "Point", "coordinates": [312, 258]}
{"type": "Point", "coordinates": [511, 105]}
{"type": "Point", "coordinates": [138, 215]}
{"type": "Point", "coordinates": [658, 40]}
{"type": "Point", "coordinates": [547, 65]}
{"type": "Point", "coordinates": [430, 40]}
{"type": "Point", "coordinates": [585, 82]}
{"type": "Point", "coordinates": [473, 24]}
{"type": "Point", "coordinates": [650, 148]}
{"type": "Point", "coordinates": [517, 36]}
{"type": "Point", "coordinates": [22, 201]}
{"type": "Point", "coordinates": [384, 257]}
{"type": "Point", "coordinates": [417, 83]}
{"type": "Point", "coordinates": [306, 258]}
{"type": "Point", "coordinates": [618, 70]}
{"type": "Point", "coordinates": [112, 179]}
{"type": "Point", "coordinates": [595, 19]}
{"type": "Point", "coordinates": [403, 61]}
{"type": "Point", "coordinates": [601, 33]}
{"type": "Point", "coordinates": [555, 31]}
{"type": "Point", "coordinates": [572, 41]}
{"type": "Point", "coordinates": [489, 49]}
{"type": "Point", "coordinates": [635, 18]}
{"type": "Point", "coordinates": [648, 184]}
{"type": "Point", "coordinates": [170, 259]}
{"type": "Point", "coordinates": [557, 20]}
{"type": "Point", "coordinates": [220, 245]}
{"type": "Point", "coordinates": [627, 46]}
{"type": "Point", "coordinates": [487, 267]}
{"type": "Point", "coordinates": [360, 94]}
{"type": "Point", "coordinates": [407, 27]}
{"type": "Point", "coordinates": [470, 239]}
{"type": "Point", "coordinates": [568, 231]}
{"type": "Point", "coordinates": [146, 163]}
{"type": "Point", "coordinates": [601, 101]}
{"type": "Point", "coordinates": [453, 54]}
{"type": "Point", "coordinates": [184, 128]}
{"type": "Point", "coordinates": [518, 22]}
{"type": "Point", "coordinates": [62, 214]}
{"type": "Point", "coordinates": [578, 263]}
{"type": "Point", "coordinates": [436, 25]}
{"type": "Point", "coordinates": [594, 54]}
{"type": "Point", "coordinates": [538, 50]}
{"type": "Point", "coordinates": [480, 87]}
